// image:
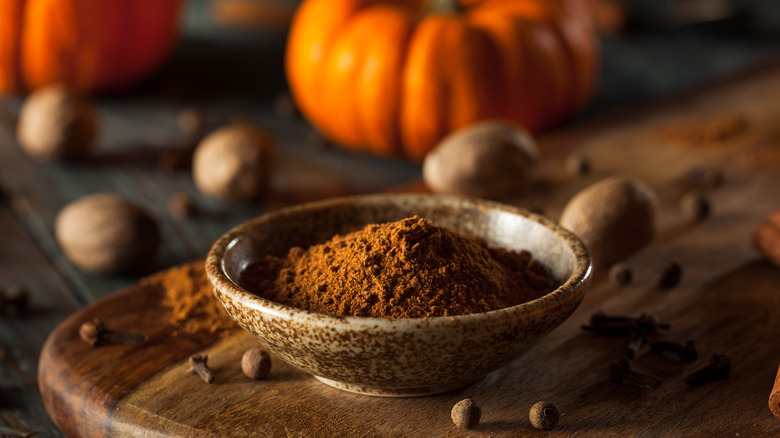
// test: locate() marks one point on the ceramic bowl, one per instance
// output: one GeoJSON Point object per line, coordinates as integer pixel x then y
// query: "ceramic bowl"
{"type": "Point", "coordinates": [399, 357]}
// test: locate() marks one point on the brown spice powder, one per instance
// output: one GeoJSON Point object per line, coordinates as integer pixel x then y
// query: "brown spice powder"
{"type": "Point", "coordinates": [405, 269]}
{"type": "Point", "coordinates": [188, 295]}
{"type": "Point", "coordinates": [706, 132]}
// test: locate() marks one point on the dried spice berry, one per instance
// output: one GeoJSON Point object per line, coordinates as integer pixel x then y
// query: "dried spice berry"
{"type": "Point", "coordinates": [191, 122]}
{"type": "Point", "coordinates": [707, 177]}
{"type": "Point", "coordinates": [466, 414]}
{"type": "Point", "coordinates": [577, 165]}
{"type": "Point", "coordinates": [695, 206]}
{"type": "Point", "coordinates": [544, 415]}
{"type": "Point", "coordinates": [620, 274]}
{"type": "Point", "coordinates": [256, 363]}
{"type": "Point", "coordinates": [671, 276]}
{"type": "Point", "coordinates": [181, 206]}
{"type": "Point", "coordinates": [16, 300]}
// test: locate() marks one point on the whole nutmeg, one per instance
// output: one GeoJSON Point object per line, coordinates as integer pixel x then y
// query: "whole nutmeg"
{"type": "Point", "coordinates": [256, 363]}
{"type": "Point", "coordinates": [55, 123]}
{"type": "Point", "coordinates": [466, 414]}
{"type": "Point", "coordinates": [234, 163]}
{"type": "Point", "coordinates": [614, 217]}
{"type": "Point", "coordinates": [488, 159]}
{"type": "Point", "coordinates": [104, 233]}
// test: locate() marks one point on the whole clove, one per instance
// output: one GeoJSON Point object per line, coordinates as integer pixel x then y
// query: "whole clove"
{"type": "Point", "coordinates": [614, 326]}
{"type": "Point", "coordinates": [620, 371]}
{"type": "Point", "coordinates": [718, 369]}
{"type": "Point", "coordinates": [683, 353]}
{"type": "Point", "coordinates": [636, 340]}
{"type": "Point", "coordinates": [671, 276]}
{"type": "Point", "coordinates": [199, 365]}
{"type": "Point", "coordinates": [95, 333]}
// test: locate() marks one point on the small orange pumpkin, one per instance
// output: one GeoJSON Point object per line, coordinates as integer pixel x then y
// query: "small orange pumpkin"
{"type": "Point", "coordinates": [90, 45]}
{"type": "Point", "coordinates": [393, 77]}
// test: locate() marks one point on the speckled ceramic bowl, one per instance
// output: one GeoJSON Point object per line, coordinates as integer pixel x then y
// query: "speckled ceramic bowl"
{"type": "Point", "coordinates": [399, 357]}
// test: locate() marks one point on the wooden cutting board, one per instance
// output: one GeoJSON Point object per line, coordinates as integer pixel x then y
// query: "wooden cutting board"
{"type": "Point", "coordinates": [728, 302]}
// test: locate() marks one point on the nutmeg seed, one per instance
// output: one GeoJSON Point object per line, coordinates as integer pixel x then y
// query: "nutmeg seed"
{"type": "Point", "coordinates": [614, 217]}
{"type": "Point", "coordinates": [55, 123]}
{"type": "Point", "coordinates": [234, 163]}
{"type": "Point", "coordinates": [104, 233]}
{"type": "Point", "coordinates": [488, 159]}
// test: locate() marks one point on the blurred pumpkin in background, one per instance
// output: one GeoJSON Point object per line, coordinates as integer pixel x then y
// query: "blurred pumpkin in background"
{"type": "Point", "coordinates": [393, 77]}
{"type": "Point", "coordinates": [91, 45]}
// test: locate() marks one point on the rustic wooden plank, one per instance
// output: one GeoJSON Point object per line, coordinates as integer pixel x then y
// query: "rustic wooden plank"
{"type": "Point", "coordinates": [23, 263]}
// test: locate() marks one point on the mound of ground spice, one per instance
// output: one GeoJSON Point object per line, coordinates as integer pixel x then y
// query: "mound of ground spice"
{"type": "Point", "coordinates": [188, 296]}
{"type": "Point", "coordinates": [405, 269]}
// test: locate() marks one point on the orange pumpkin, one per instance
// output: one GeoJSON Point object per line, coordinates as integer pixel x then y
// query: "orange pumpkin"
{"type": "Point", "coordinates": [88, 44]}
{"type": "Point", "coordinates": [393, 77]}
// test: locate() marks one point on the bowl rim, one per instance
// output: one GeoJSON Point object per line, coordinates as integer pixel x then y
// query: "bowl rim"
{"type": "Point", "coordinates": [580, 276]}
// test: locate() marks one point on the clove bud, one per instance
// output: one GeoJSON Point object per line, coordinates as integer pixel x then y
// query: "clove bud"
{"type": "Point", "coordinates": [95, 333]}
{"type": "Point", "coordinates": [718, 368]}
{"type": "Point", "coordinates": [621, 371]}
{"type": "Point", "coordinates": [683, 353]}
{"type": "Point", "coordinates": [199, 365]}
{"type": "Point", "coordinates": [606, 325]}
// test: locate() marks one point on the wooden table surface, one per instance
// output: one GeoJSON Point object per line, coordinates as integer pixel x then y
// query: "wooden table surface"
{"type": "Point", "coordinates": [136, 127]}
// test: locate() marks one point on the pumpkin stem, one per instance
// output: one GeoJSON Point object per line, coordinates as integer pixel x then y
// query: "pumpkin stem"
{"type": "Point", "coordinates": [444, 7]}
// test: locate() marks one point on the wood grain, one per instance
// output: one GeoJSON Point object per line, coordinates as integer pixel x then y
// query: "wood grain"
{"type": "Point", "coordinates": [727, 302]}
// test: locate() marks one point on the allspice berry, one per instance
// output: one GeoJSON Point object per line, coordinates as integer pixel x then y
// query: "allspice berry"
{"type": "Point", "coordinates": [55, 123]}
{"type": "Point", "coordinates": [544, 415]}
{"type": "Point", "coordinates": [256, 363]}
{"type": "Point", "coordinates": [620, 274]}
{"type": "Point", "coordinates": [671, 275]}
{"type": "Point", "coordinates": [104, 233]}
{"type": "Point", "coordinates": [614, 217]}
{"type": "Point", "coordinates": [487, 159]}
{"type": "Point", "coordinates": [234, 163]}
{"type": "Point", "coordinates": [466, 414]}
{"type": "Point", "coordinates": [191, 122]}
{"type": "Point", "coordinates": [577, 164]}
{"type": "Point", "coordinates": [695, 206]}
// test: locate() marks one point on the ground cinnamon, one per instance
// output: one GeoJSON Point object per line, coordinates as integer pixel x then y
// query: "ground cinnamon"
{"type": "Point", "coordinates": [405, 269]}
{"type": "Point", "coordinates": [701, 133]}
{"type": "Point", "coordinates": [189, 297]}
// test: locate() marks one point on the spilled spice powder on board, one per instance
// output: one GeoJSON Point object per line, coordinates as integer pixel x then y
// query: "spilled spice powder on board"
{"type": "Point", "coordinates": [188, 296]}
{"type": "Point", "coordinates": [707, 132]}
{"type": "Point", "coordinates": [405, 269]}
